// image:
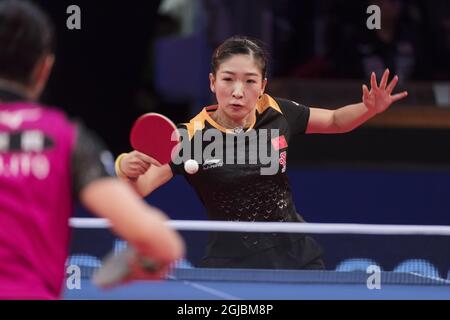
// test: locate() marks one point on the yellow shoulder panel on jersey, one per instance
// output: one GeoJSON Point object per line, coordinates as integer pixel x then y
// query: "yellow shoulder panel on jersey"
{"type": "Point", "coordinates": [195, 124]}
{"type": "Point", "coordinates": [266, 102]}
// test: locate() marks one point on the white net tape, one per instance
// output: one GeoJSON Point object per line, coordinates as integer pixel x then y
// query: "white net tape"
{"type": "Point", "coordinates": [282, 227]}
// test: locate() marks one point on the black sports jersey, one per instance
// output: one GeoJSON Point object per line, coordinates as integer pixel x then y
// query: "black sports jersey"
{"type": "Point", "coordinates": [236, 181]}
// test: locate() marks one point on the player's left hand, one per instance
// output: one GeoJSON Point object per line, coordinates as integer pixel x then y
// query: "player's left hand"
{"type": "Point", "coordinates": [379, 98]}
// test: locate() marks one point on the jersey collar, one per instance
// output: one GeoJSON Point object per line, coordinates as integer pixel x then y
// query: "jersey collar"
{"type": "Point", "coordinates": [210, 109]}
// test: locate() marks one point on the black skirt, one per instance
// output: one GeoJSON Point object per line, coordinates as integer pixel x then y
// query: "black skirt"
{"type": "Point", "coordinates": [264, 251]}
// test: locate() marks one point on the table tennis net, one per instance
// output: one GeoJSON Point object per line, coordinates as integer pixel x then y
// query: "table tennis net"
{"type": "Point", "coordinates": [395, 254]}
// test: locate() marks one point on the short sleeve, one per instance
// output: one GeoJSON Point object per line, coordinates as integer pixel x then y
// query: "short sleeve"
{"type": "Point", "coordinates": [176, 164]}
{"type": "Point", "coordinates": [176, 168]}
{"type": "Point", "coordinates": [90, 159]}
{"type": "Point", "coordinates": [296, 114]}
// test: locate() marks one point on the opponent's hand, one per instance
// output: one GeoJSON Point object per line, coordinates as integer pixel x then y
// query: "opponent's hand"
{"type": "Point", "coordinates": [379, 98]}
{"type": "Point", "coordinates": [136, 163]}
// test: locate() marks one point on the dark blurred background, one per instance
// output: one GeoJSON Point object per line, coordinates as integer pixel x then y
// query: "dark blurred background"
{"type": "Point", "coordinates": [139, 57]}
{"type": "Point", "coordinates": [153, 56]}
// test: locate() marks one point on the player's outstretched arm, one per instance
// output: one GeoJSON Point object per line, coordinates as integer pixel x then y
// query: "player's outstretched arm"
{"type": "Point", "coordinates": [347, 118]}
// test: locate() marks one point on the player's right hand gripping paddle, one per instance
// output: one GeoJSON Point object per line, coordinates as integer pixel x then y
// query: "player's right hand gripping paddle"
{"type": "Point", "coordinates": [117, 268]}
{"type": "Point", "coordinates": [156, 136]}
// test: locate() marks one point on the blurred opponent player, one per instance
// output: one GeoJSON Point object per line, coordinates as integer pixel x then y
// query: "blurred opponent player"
{"type": "Point", "coordinates": [47, 162]}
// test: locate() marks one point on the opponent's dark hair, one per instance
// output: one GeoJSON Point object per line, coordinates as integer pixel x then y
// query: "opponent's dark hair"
{"type": "Point", "coordinates": [26, 35]}
{"type": "Point", "coordinates": [241, 45]}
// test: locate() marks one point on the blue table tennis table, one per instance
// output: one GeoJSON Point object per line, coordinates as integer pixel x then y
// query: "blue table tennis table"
{"type": "Point", "coordinates": [252, 284]}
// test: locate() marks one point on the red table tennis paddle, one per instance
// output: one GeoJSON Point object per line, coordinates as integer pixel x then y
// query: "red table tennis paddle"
{"type": "Point", "coordinates": [156, 136]}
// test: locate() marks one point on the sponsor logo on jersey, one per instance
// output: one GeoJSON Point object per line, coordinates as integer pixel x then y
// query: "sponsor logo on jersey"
{"type": "Point", "coordinates": [212, 163]}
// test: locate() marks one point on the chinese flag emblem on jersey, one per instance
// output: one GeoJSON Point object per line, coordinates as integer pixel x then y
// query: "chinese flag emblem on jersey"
{"type": "Point", "coordinates": [279, 143]}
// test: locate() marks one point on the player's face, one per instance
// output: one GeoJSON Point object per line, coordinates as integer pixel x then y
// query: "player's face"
{"type": "Point", "coordinates": [238, 83]}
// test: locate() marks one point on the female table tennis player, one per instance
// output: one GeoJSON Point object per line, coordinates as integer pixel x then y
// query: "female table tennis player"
{"type": "Point", "coordinates": [240, 192]}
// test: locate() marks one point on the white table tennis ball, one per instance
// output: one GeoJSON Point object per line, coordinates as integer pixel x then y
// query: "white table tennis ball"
{"type": "Point", "coordinates": [191, 166]}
